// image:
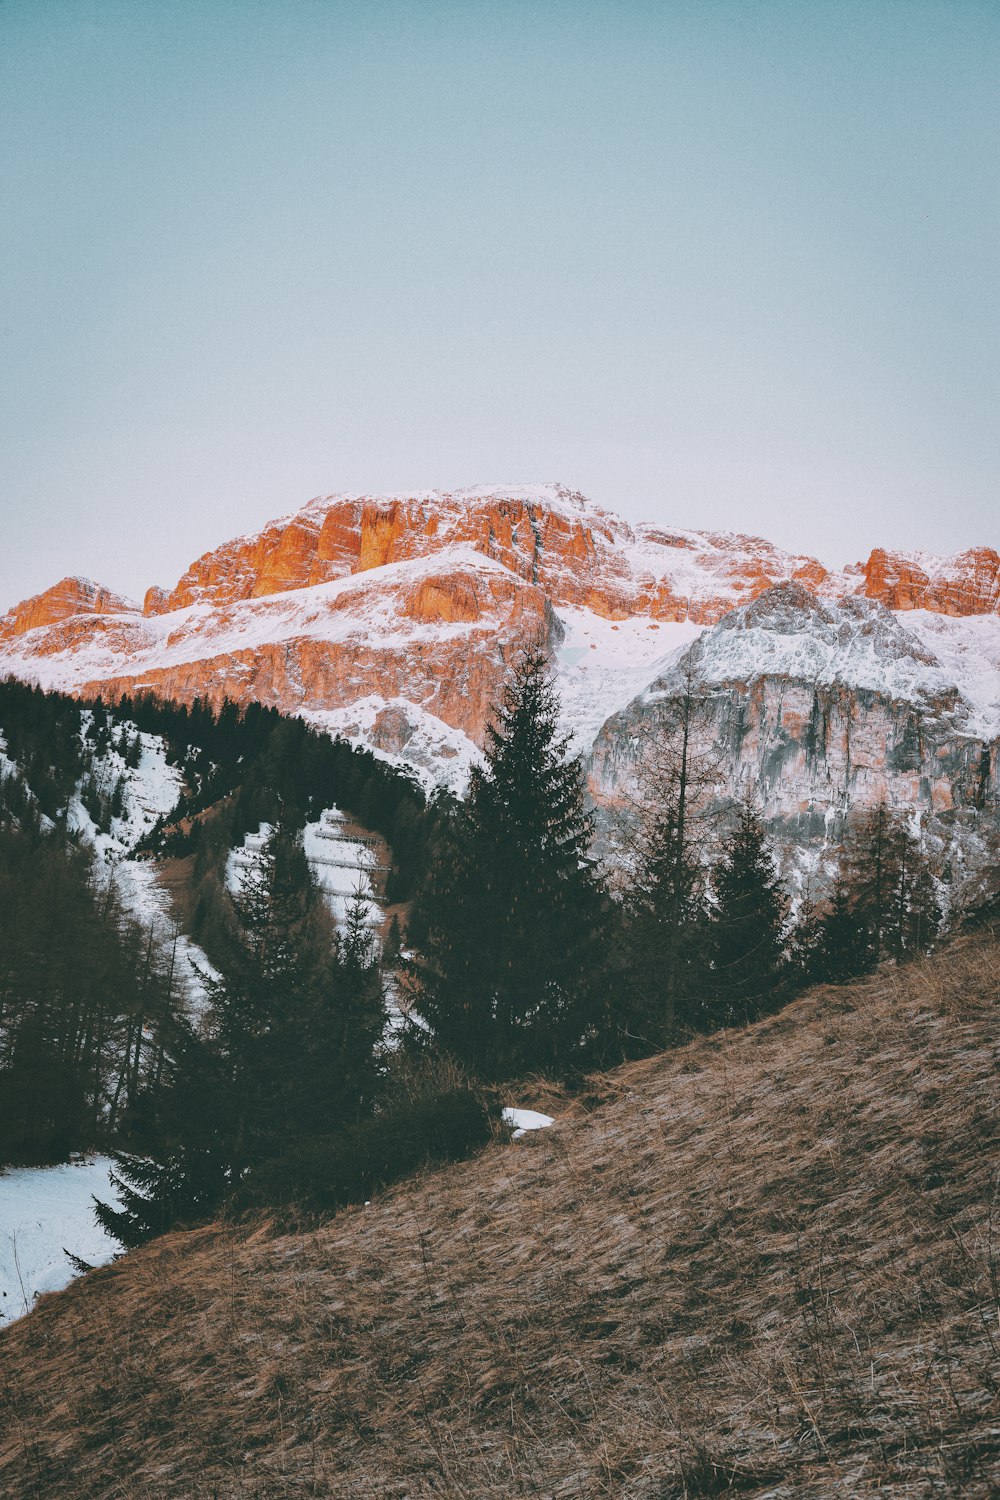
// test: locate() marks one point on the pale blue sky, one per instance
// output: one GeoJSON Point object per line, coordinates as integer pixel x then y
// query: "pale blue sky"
{"type": "Point", "coordinates": [716, 264]}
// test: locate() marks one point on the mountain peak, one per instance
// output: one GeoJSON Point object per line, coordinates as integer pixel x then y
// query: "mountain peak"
{"type": "Point", "coordinates": [73, 595]}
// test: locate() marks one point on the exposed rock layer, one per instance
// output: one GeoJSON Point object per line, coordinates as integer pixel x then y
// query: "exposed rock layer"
{"type": "Point", "coordinates": [68, 598]}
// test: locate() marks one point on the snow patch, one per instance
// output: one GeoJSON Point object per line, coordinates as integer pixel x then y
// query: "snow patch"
{"type": "Point", "coordinates": [45, 1211]}
{"type": "Point", "coordinates": [968, 648]}
{"type": "Point", "coordinates": [344, 866]}
{"type": "Point", "coordinates": [404, 735]}
{"type": "Point", "coordinates": [523, 1120]}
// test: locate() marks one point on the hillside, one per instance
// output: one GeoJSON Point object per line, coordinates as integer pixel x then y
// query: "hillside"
{"type": "Point", "coordinates": [764, 1265]}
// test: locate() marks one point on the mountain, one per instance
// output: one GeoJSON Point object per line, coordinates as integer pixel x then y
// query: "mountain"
{"type": "Point", "coordinates": [391, 619]}
{"type": "Point", "coordinates": [763, 1264]}
{"type": "Point", "coordinates": [823, 706]}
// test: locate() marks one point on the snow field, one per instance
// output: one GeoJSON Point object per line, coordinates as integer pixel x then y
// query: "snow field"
{"type": "Point", "coordinates": [151, 790]}
{"type": "Point", "coordinates": [343, 866]}
{"type": "Point", "coordinates": [601, 665]}
{"type": "Point", "coordinates": [45, 1211]}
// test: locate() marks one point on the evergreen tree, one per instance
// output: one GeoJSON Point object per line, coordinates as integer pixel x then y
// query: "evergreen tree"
{"type": "Point", "coordinates": [292, 1056]}
{"type": "Point", "coordinates": [665, 905]}
{"type": "Point", "coordinates": [510, 919]}
{"type": "Point", "coordinates": [274, 1001]}
{"type": "Point", "coordinates": [328, 1040]}
{"type": "Point", "coordinates": [188, 1175]}
{"type": "Point", "coordinates": [748, 925]}
{"type": "Point", "coordinates": [884, 904]}
{"type": "Point", "coordinates": [842, 951]}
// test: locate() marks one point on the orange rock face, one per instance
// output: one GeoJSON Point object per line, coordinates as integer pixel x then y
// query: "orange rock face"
{"type": "Point", "coordinates": [578, 553]}
{"type": "Point", "coordinates": [441, 641]}
{"type": "Point", "coordinates": [68, 597]}
{"type": "Point", "coordinates": [354, 534]}
{"type": "Point", "coordinates": [966, 584]}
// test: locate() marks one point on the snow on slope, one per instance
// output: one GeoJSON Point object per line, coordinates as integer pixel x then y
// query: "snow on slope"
{"type": "Point", "coordinates": [523, 1120]}
{"type": "Point", "coordinates": [603, 664]}
{"type": "Point", "coordinates": [405, 735]}
{"type": "Point", "coordinates": [347, 610]}
{"type": "Point", "coordinates": [968, 648]}
{"type": "Point", "coordinates": [43, 1212]}
{"type": "Point", "coordinates": [788, 633]}
{"type": "Point", "coordinates": [343, 866]}
{"type": "Point", "coordinates": [150, 789]}
{"type": "Point", "coordinates": [145, 899]}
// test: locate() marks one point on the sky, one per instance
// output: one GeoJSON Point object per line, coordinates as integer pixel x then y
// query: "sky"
{"type": "Point", "coordinates": [728, 265]}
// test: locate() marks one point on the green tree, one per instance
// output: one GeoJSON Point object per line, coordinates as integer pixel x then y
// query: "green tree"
{"type": "Point", "coordinates": [841, 950]}
{"type": "Point", "coordinates": [510, 920]}
{"type": "Point", "coordinates": [884, 904]}
{"type": "Point", "coordinates": [748, 924]}
{"type": "Point", "coordinates": [186, 1175]}
{"type": "Point", "coordinates": [292, 1054]}
{"type": "Point", "coordinates": [665, 907]}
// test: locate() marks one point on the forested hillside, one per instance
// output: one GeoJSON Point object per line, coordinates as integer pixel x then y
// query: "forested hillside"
{"type": "Point", "coordinates": [92, 1017]}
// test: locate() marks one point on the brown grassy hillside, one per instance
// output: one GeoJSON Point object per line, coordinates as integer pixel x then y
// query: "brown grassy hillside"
{"type": "Point", "coordinates": [766, 1265]}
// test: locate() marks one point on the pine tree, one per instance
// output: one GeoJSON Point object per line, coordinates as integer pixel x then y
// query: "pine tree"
{"type": "Point", "coordinates": [327, 1043]}
{"type": "Point", "coordinates": [842, 951]}
{"type": "Point", "coordinates": [272, 998]}
{"type": "Point", "coordinates": [292, 1056]}
{"type": "Point", "coordinates": [190, 1174]}
{"type": "Point", "coordinates": [510, 919]}
{"type": "Point", "coordinates": [748, 926]}
{"type": "Point", "coordinates": [665, 904]}
{"type": "Point", "coordinates": [885, 904]}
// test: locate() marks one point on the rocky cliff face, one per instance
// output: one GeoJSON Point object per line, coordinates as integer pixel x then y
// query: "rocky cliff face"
{"type": "Point", "coordinates": [68, 599]}
{"type": "Point", "coordinates": [394, 618]}
{"type": "Point", "coordinates": [966, 584]}
{"type": "Point", "coordinates": [820, 707]}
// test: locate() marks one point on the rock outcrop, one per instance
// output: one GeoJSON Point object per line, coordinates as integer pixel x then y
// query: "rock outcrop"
{"type": "Point", "coordinates": [966, 584]}
{"type": "Point", "coordinates": [68, 599]}
{"type": "Point", "coordinates": [820, 708]}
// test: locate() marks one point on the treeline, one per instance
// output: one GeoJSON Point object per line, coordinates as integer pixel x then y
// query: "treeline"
{"type": "Point", "coordinates": [260, 764]}
{"type": "Point", "coordinates": [255, 764]}
{"type": "Point", "coordinates": [520, 958]}
{"type": "Point", "coordinates": [246, 766]}
{"type": "Point", "coordinates": [90, 1022]}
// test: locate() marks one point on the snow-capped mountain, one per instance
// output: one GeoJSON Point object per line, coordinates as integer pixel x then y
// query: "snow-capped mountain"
{"type": "Point", "coordinates": [392, 620]}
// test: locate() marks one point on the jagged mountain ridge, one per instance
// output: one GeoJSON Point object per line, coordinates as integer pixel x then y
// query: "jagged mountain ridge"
{"type": "Point", "coordinates": [392, 619]}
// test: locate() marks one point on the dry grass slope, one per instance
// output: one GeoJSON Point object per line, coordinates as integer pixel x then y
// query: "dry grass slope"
{"type": "Point", "coordinates": [766, 1266]}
